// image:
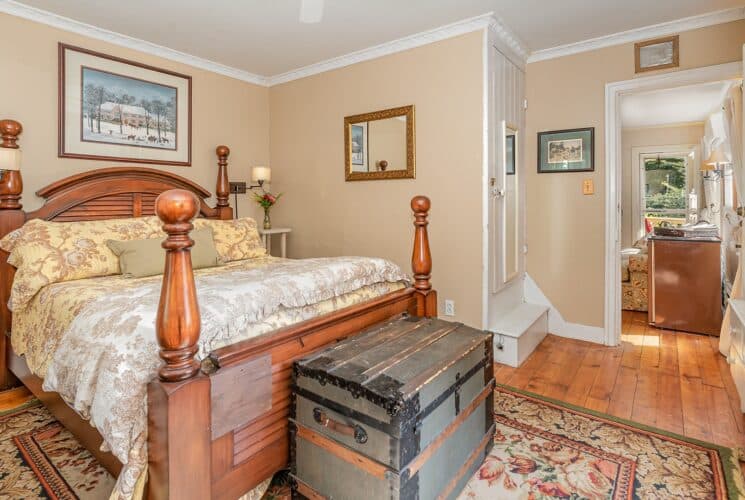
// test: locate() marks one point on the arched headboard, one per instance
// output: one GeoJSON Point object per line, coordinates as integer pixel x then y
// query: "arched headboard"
{"type": "Point", "coordinates": [105, 193]}
{"type": "Point", "coordinates": [110, 193]}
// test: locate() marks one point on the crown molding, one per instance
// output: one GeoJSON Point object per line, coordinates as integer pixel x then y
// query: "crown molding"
{"type": "Point", "coordinates": [409, 42]}
{"type": "Point", "coordinates": [507, 42]}
{"type": "Point", "coordinates": [503, 37]}
{"type": "Point", "coordinates": [635, 35]}
{"type": "Point", "coordinates": [64, 23]}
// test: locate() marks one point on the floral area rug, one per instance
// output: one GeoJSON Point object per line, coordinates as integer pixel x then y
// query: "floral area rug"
{"type": "Point", "coordinates": [40, 459]}
{"type": "Point", "coordinates": [545, 449]}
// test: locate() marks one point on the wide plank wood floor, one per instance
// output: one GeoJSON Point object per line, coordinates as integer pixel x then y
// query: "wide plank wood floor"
{"type": "Point", "coordinates": [13, 398]}
{"type": "Point", "coordinates": [671, 380]}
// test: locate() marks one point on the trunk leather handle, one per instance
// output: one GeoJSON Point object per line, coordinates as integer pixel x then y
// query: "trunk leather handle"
{"type": "Point", "coordinates": [355, 431]}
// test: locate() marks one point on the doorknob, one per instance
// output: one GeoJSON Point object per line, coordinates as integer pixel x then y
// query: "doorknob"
{"type": "Point", "coordinates": [493, 190]}
{"type": "Point", "coordinates": [497, 193]}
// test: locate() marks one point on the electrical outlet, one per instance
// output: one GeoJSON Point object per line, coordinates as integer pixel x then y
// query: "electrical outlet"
{"type": "Point", "coordinates": [237, 188]}
{"type": "Point", "coordinates": [449, 307]}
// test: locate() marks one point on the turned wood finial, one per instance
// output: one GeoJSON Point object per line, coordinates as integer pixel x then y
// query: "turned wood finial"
{"type": "Point", "coordinates": [10, 130]}
{"type": "Point", "coordinates": [421, 259]}
{"type": "Point", "coordinates": [177, 324]}
{"type": "Point", "coordinates": [223, 186]}
{"type": "Point", "coordinates": [11, 182]}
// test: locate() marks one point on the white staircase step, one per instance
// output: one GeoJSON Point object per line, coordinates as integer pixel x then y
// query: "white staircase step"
{"type": "Point", "coordinates": [516, 322]}
{"type": "Point", "coordinates": [518, 332]}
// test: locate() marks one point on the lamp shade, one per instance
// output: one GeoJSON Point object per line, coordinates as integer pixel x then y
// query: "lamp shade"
{"type": "Point", "coordinates": [261, 173]}
{"type": "Point", "coordinates": [10, 159]}
{"type": "Point", "coordinates": [716, 157]}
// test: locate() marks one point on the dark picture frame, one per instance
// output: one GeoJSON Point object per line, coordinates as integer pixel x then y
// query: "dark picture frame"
{"type": "Point", "coordinates": [143, 114]}
{"type": "Point", "coordinates": [569, 150]}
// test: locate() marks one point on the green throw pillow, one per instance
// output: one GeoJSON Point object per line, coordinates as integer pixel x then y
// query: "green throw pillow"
{"type": "Point", "coordinates": [146, 257]}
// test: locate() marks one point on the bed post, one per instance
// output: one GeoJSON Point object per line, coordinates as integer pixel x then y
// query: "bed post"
{"type": "Point", "coordinates": [421, 260]}
{"type": "Point", "coordinates": [179, 452]}
{"type": "Point", "coordinates": [223, 186]}
{"type": "Point", "coordinates": [11, 217]}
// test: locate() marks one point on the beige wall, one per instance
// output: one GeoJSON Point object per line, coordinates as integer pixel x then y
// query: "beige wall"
{"type": "Point", "coordinates": [566, 228]}
{"type": "Point", "coordinates": [224, 110]}
{"type": "Point", "coordinates": [332, 217]}
{"type": "Point", "coordinates": [651, 136]}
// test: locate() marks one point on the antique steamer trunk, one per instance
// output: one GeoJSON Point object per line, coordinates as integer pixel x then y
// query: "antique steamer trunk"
{"type": "Point", "coordinates": [403, 410]}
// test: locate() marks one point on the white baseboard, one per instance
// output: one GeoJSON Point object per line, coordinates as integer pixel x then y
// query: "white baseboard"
{"type": "Point", "coordinates": [557, 325]}
{"type": "Point", "coordinates": [581, 332]}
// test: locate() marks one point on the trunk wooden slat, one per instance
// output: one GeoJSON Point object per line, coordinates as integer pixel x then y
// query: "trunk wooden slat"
{"type": "Point", "coordinates": [401, 411]}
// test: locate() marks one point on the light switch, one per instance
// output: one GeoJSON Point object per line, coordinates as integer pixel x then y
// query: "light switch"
{"type": "Point", "coordinates": [588, 187]}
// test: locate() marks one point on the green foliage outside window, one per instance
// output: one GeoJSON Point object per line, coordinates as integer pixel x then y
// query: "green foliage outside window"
{"type": "Point", "coordinates": [665, 183]}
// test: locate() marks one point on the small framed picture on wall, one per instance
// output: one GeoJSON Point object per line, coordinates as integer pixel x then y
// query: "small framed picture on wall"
{"type": "Point", "coordinates": [571, 150]}
{"type": "Point", "coordinates": [660, 53]}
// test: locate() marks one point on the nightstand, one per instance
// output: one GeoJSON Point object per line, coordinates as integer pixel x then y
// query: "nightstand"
{"type": "Point", "coordinates": [267, 234]}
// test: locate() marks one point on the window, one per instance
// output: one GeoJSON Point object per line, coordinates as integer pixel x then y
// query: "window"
{"type": "Point", "coordinates": [661, 179]}
{"type": "Point", "coordinates": [664, 183]}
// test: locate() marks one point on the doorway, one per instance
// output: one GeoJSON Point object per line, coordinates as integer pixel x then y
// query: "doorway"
{"type": "Point", "coordinates": [676, 204]}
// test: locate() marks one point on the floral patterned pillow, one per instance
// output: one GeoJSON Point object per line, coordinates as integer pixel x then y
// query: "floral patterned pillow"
{"type": "Point", "coordinates": [46, 252]}
{"type": "Point", "coordinates": [236, 239]}
{"type": "Point", "coordinates": [13, 238]}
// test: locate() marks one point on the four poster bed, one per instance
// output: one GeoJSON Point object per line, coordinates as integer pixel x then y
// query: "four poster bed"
{"type": "Point", "coordinates": [215, 429]}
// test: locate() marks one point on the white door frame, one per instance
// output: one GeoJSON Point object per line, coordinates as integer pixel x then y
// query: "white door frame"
{"type": "Point", "coordinates": [613, 93]}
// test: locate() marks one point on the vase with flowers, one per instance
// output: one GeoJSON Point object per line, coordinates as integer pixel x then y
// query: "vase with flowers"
{"type": "Point", "coordinates": [267, 201]}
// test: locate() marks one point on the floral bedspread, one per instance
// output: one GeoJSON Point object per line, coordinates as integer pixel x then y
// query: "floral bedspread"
{"type": "Point", "coordinates": [93, 341]}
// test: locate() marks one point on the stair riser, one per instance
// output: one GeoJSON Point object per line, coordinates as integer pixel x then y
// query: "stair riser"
{"type": "Point", "coordinates": [515, 350]}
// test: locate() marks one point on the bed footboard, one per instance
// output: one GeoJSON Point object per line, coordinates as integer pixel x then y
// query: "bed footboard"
{"type": "Point", "coordinates": [219, 431]}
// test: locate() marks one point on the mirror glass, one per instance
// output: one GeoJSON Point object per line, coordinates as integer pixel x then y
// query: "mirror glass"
{"type": "Point", "coordinates": [380, 145]}
{"type": "Point", "coordinates": [510, 252]}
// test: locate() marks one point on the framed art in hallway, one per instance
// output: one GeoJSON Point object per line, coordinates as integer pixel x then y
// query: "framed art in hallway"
{"type": "Point", "coordinates": [571, 150]}
{"type": "Point", "coordinates": [119, 110]}
{"type": "Point", "coordinates": [660, 53]}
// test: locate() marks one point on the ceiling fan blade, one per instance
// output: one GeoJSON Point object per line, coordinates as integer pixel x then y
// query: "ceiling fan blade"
{"type": "Point", "coordinates": [311, 11]}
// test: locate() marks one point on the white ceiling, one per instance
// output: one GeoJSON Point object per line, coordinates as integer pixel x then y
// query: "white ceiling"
{"type": "Point", "coordinates": [693, 103]}
{"type": "Point", "coordinates": [265, 37]}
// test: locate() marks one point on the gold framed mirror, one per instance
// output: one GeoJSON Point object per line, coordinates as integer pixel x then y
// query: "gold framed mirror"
{"type": "Point", "coordinates": [380, 145]}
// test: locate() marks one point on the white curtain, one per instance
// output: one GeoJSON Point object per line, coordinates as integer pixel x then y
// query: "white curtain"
{"type": "Point", "coordinates": [733, 118]}
{"type": "Point", "coordinates": [732, 113]}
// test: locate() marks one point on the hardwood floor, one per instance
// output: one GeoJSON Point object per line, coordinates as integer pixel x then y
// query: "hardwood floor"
{"type": "Point", "coordinates": [671, 380]}
{"type": "Point", "coordinates": [14, 397]}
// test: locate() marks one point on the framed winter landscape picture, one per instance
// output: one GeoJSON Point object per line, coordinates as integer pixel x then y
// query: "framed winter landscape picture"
{"type": "Point", "coordinates": [118, 110]}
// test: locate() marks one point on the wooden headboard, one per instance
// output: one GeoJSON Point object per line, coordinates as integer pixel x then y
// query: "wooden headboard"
{"type": "Point", "coordinates": [106, 193]}
{"type": "Point", "coordinates": [111, 193]}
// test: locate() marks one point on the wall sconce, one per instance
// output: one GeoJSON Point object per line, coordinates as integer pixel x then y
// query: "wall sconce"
{"type": "Point", "coordinates": [714, 165]}
{"type": "Point", "coordinates": [259, 174]}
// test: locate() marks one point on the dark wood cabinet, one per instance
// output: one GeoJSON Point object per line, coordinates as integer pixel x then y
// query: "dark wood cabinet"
{"type": "Point", "coordinates": [685, 284]}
